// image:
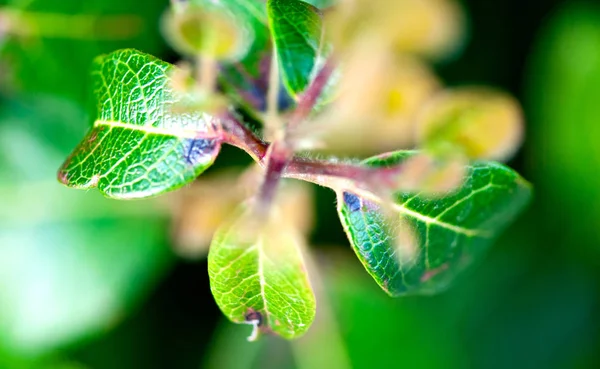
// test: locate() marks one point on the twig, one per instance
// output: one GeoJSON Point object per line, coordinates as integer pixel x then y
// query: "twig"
{"type": "Point", "coordinates": [237, 134]}
{"type": "Point", "coordinates": [309, 98]}
{"type": "Point", "coordinates": [323, 172]}
{"type": "Point", "coordinates": [279, 161]}
{"type": "Point", "coordinates": [281, 152]}
{"type": "Point", "coordinates": [342, 176]}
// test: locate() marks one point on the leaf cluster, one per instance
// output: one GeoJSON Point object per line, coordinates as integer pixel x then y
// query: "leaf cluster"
{"type": "Point", "coordinates": [414, 218]}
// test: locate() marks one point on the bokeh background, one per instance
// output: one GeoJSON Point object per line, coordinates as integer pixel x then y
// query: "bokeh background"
{"type": "Point", "coordinates": [87, 282]}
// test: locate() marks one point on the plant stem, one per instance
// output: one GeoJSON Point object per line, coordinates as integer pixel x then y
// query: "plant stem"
{"type": "Point", "coordinates": [272, 120]}
{"type": "Point", "coordinates": [309, 98]}
{"type": "Point", "coordinates": [237, 134]}
{"type": "Point", "coordinates": [278, 158]}
{"type": "Point", "coordinates": [207, 68]}
{"type": "Point", "coordinates": [282, 150]}
{"type": "Point", "coordinates": [281, 163]}
{"type": "Point", "coordinates": [341, 176]}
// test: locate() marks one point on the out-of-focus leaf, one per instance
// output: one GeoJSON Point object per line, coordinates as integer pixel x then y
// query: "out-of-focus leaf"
{"type": "Point", "coordinates": [257, 276]}
{"type": "Point", "coordinates": [71, 264]}
{"type": "Point", "coordinates": [244, 80]}
{"type": "Point", "coordinates": [210, 30]}
{"type": "Point", "coordinates": [387, 95]}
{"type": "Point", "coordinates": [41, 44]}
{"type": "Point", "coordinates": [139, 145]}
{"type": "Point", "coordinates": [481, 123]}
{"type": "Point", "coordinates": [254, 13]}
{"type": "Point", "coordinates": [563, 94]}
{"type": "Point", "coordinates": [202, 208]}
{"type": "Point", "coordinates": [444, 234]}
{"type": "Point", "coordinates": [296, 30]}
{"type": "Point", "coordinates": [430, 28]}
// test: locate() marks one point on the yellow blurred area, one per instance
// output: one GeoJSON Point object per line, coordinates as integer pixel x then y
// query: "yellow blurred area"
{"type": "Point", "coordinates": [379, 96]}
{"type": "Point", "coordinates": [432, 28]}
{"type": "Point", "coordinates": [203, 207]}
{"type": "Point", "coordinates": [210, 31]}
{"type": "Point", "coordinates": [480, 122]}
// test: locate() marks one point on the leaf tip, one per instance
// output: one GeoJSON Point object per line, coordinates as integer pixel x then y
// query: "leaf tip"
{"type": "Point", "coordinates": [63, 176]}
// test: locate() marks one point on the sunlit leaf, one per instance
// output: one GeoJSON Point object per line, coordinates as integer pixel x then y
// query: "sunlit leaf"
{"type": "Point", "coordinates": [140, 144]}
{"type": "Point", "coordinates": [418, 244]}
{"type": "Point", "coordinates": [296, 30]}
{"type": "Point", "coordinates": [257, 276]}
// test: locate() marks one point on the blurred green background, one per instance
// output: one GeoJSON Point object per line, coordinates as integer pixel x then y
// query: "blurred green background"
{"type": "Point", "coordinates": [91, 283]}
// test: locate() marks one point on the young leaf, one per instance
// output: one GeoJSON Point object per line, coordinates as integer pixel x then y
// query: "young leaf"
{"type": "Point", "coordinates": [253, 13]}
{"type": "Point", "coordinates": [243, 81]}
{"type": "Point", "coordinates": [296, 31]}
{"type": "Point", "coordinates": [446, 233]}
{"type": "Point", "coordinates": [482, 123]}
{"type": "Point", "coordinates": [210, 30]}
{"type": "Point", "coordinates": [140, 145]}
{"type": "Point", "coordinates": [257, 277]}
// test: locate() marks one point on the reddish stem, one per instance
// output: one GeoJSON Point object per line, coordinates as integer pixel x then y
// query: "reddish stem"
{"type": "Point", "coordinates": [309, 98]}
{"type": "Point", "coordinates": [237, 134]}
{"type": "Point", "coordinates": [279, 160]}
{"type": "Point", "coordinates": [323, 172]}
{"type": "Point", "coordinates": [350, 175]}
{"type": "Point", "coordinates": [281, 151]}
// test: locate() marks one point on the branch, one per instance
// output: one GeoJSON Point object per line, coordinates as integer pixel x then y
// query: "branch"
{"type": "Point", "coordinates": [237, 134]}
{"type": "Point", "coordinates": [281, 152]}
{"type": "Point", "coordinates": [309, 98]}
{"type": "Point", "coordinates": [329, 172]}
{"type": "Point", "coordinates": [279, 161]}
{"type": "Point", "coordinates": [340, 176]}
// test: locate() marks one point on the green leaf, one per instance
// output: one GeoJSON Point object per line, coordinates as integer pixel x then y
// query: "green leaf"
{"type": "Point", "coordinates": [322, 4]}
{"type": "Point", "coordinates": [72, 264]}
{"type": "Point", "coordinates": [254, 13]}
{"type": "Point", "coordinates": [449, 232]}
{"type": "Point", "coordinates": [296, 30]}
{"type": "Point", "coordinates": [139, 145]}
{"type": "Point", "coordinates": [243, 81]}
{"type": "Point", "coordinates": [257, 276]}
